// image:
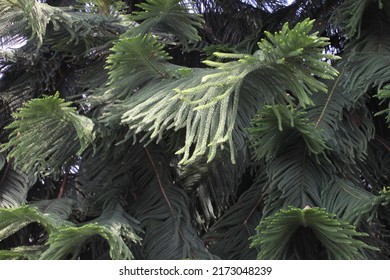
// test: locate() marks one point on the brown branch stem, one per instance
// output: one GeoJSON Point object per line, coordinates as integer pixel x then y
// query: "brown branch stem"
{"type": "Point", "coordinates": [62, 187]}
{"type": "Point", "coordinates": [163, 191]}
{"type": "Point", "coordinates": [160, 183]}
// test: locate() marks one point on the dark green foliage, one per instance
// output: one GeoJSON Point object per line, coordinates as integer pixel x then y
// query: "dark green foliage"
{"type": "Point", "coordinates": [277, 123]}
{"type": "Point", "coordinates": [113, 146]}
{"type": "Point", "coordinates": [338, 238]}
{"type": "Point", "coordinates": [15, 184]}
{"type": "Point", "coordinates": [169, 18]}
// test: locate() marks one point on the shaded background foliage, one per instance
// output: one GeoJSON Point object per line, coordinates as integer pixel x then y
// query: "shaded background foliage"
{"type": "Point", "coordinates": [283, 146]}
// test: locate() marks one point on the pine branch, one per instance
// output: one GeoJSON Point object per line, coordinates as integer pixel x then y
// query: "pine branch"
{"type": "Point", "coordinates": [115, 226]}
{"type": "Point", "coordinates": [349, 16]}
{"type": "Point", "coordinates": [164, 212]}
{"type": "Point", "coordinates": [210, 103]}
{"type": "Point", "coordinates": [384, 94]}
{"type": "Point", "coordinates": [160, 184]}
{"type": "Point", "coordinates": [58, 125]}
{"type": "Point", "coordinates": [274, 124]}
{"type": "Point", "coordinates": [275, 233]}
{"type": "Point", "coordinates": [14, 185]}
{"type": "Point", "coordinates": [330, 96]}
{"type": "Point", "coordinates": [229, 236]}
{"type": "Point", "coordinates": [137, 60]}
{"type": "Point", "coordinates": [167, 17]}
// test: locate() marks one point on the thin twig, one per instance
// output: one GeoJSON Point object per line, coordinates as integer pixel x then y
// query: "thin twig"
{"type": "Point", "coordinates": [164, 193]}
{"type": "Point", "coordinates": [160, 183]}
{"type": "Point", "coordinates": [62, 187]}
{"type": "Point", "coordinates": [250, 215]}
{"type": "Point", "coordinates": [253, 210]}
{"type": "Point", "coordinates": [328, 100]}
{"type": "Point", "coordinates": [380, 140]}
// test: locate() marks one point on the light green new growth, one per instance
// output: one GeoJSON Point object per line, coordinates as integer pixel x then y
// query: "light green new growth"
{"type": "Point", "coordinates": [211, 103]}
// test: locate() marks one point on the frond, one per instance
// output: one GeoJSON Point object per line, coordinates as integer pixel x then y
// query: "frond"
{"type": "Point", "coordinates": [297, 58]}
{"type": "Point", "coordinates": [86, 34]}
{"type": "Point", "coordinates": [367, 70]}
{"type": "Point", "coordinates": [229, 237]}
{"type": "Point", "coordinates": [372, 217]}
{"type": "Point", "coordinates": [166, 111]}
{"type": "Point", "coordinates": [61, 207]}
{"type": "Point", "coordinates": [349, 16]}
{"type": "Point", "coordinates": [350, 140]}
{"type": "Point", "coordinates": [363, 71]}
{"type": "Point", "coordinates": [228, 22]}
{"type": "Point", "coordinates": [375, 168]}
{"type": "Point", "coordinates": [297, 175]}
{"type": "Point", "coordinates": [67, 242]}
{"type": "Point", "coordinates": [275, 237]}
{"type": "Point", "coordinates": [14, 184]}
{"type": "Point", "coordinates": [170, 17]}
{"type": "Point", "coordinates": [275, 124]}
{"type": "Point", "coordinates": [212, 192]}
{"type": "Point", "coordinates": [13, 20]}
{"type": "Point", "coordinates": [104, 182]}
{"type": "Point", "coordinates": [372, 205]}
{"type": "Point", "coordinates": [346, 123]}
{"type": "Point", "coordinates": [116, 227]}
{"type": "Point", "coordinates": [293, 148]}
{"type": "Point", "coordinates": [144, 158]}
{"type": "Point", "coordinates": [108, 183]}
{"type": "Point", "coordinates": [45, 22]}
{"type": "Point", "coordinates": [329, 108]}
{"type": "Point", "coordinates": [14, 219]}
{"type": "Point", "coordinates": [166, 220]}
{"type": "Point", "coordinates": [16, 93]}
{"type": "Point", "coordinates": [368, 57]}
{"type": "Point", "coordinates": [93, 77]}
{"type": "Point", "coordinates": [143, 184]}
{"type": "Point", "coordinates": [64, 237]}
{"type": "Point", "coordinates": [22, 253]}
{"type": "Point", "coordinates": [344, 198]}
{"type": "Point", "coordinates": [165, 216]}
{"type": "Point", "coordinates": [135, 61]}
{"type": "Point", "coordinates": [211, 102]}
{"type": "Point", "coordinates": [102, 7]}
{"type": "Point", "coordinates": [34, 14]}
{"type": "Point", "coordinates": [58, 125]}
{"type": "Point", "coordinates": [284, 61]}
{"type": "Point", "coordinates": [384, 94]}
